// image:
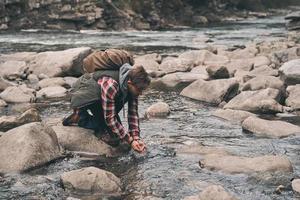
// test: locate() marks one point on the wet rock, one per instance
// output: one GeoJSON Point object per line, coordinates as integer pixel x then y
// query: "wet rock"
{"type": "Point", "coordinates": [176, 81]}
{"type": "Point", "coordinates": [264, 71]}
{"type": "Point", "coordinates": [74, 138]}
{"type": "Point", "coordinates": [9, 122]}
{"type": "Point", "coordinates": [27, 146]}
{"type": "Point", "coordinates": [284, 56]}
{"type": "Point", "coordinates": [217, 72]}
{"type": "Point", "coordinates": [201, 70]}
{"type": "Point", "coordinates": [290, 72]}
{"type": "Point", "coordinates": [233, 115]}
{"type": "Point", "coordinates": [18, 94]}
{"type": "Point", "coordinates": [2, 103]}
{"type": "Point", "coordinates": [150, 62]}
{"type": "Point", "coordinates": [51, 82]}
{"type": "Point", "coordinates": [296, 185]}
{"type": "Point", "coordinates": [240, 64]}
{"type": "Point", "coordinates": [293, 99]}
{"type": "Point", "coordinates": [259, 101]}
{"type": "Point", "coordinates": [12, 69]}
{"type": "Point", "coordinates": [201, 150]}
{"type": "Point", "coordinates": [51, 92]}
{"type": "Point", "coordinates": [270, 128]}
{"type": "Point", "coordinates": [237, 164]}
{"type": "Point", "coordinates": [214, 91]}
{"type": "Point", "coordinates": [159, 109]}
{"type": "Point", "coordinates": [263, 82]}
{"type": "Point", "coordinates": [33, 79]}
{"type": "Point", "coordinates": [171, 65]}
{"type": "Point", "coordinates": [5, 84]}
{"type": "Point", "coordinates": [92, 180]}
{"type": "Point", "coordinates": [213, 192]}
{"type": "Point", "coordinates": [69, 81]}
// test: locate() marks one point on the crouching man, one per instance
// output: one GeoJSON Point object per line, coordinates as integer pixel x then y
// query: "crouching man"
{"type": "Point", "coordinates": [97, 98]}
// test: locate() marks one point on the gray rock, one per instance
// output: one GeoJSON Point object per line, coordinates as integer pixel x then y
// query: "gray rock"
{"type": "Point", "coordinates": [51, 92]}
{"type": "Point", "coordinates": [33, 79]}
{"type": "Point", "coordinates": [246, 53]}
{"type": "Point", "coordinates": [27, 146]}
{"type": "Point", "coordinates": [159, 109]}
{"type": "Point", "coordinates": [296, 185]}
{"type": "Point", "coordinates": [92, 180]}
{"type": "Point", "coordinates": [2, 103]}
{"type": "Point", "coordinates": [201, 70]}
{"type": "Point", "coordinates": [260, 101]}
{"type": "Point", "coordinates": [293, 99]}
{"type": "Point", "coordinates": [270, 128]}
{"type": "Point", "coordinates": [69, 81]}
{"type": "Point", "coordinates": [18, 94]}
{"type": "Point", "coordinates": [240, 64]}
{"type": "Point", "coordinates": [52, 82]}
{"type": "Point", "coordinates": [237, 164]}
{"type": "Point", "coordinates": [5, 84]}
{"type": "Point", "coordinates": [217, 72]}
{"type": "Point", "coordinates": [9, 122]}
{"type": "Point", "coordinates": [293, 15]}
{"type": "Point", "coordinates": [80, 139]}
{"type": "Point", "coordinates": [153, 56]}
{"type": "Point", "coordinates": [150, 64]}
{"type": "Point", "coordinates": [290, 72]}
{"type": "Point", "coordinates": [202, 150]}
{"type": "Point", "coordinates": [283, 56]}
{"type": "Point", "coordinates": [12, 69]}
{"type": "Point", "coordinates": [264, 71]}
{"type": "Point", "coordinates": [263, 82]}
{"type": "Point", "coordinates": [237, 116]}
{"type": "Point", "coordinates": [171, 65]}
{"type": "Point", "coordinates": [260, 61]}
{"type": "Point", "coordinates": [213, 192]}
{"type": "Point", "coordinates": [42, 76]}
{"type": "Point", "coordinates": [214, 91]}
{"type": "Point", "coordinates": [176, 81]}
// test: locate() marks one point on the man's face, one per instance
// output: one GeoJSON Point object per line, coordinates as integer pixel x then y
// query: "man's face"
{"type": "Point", "coordinates": [133, 90]}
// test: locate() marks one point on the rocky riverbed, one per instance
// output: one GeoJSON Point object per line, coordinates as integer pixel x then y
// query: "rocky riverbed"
{"type": "Point", "coordinates": [220, 121]}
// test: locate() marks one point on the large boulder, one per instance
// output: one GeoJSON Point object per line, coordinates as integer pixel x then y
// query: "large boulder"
{"type": "Point", "coordinates": [9, 122]}
{"type": "Point", "coordinates": [239, 64]}
{"type": "Point", "coordinates": [214, 91]}
{"type": "Point", "coordinates": [48, 82]}
{"type": "Point", "coordinates": [201, 150]}
{"type": "Point", "coordinates": [290, 72]}
{"type": "Point", "coordinates": [237, 116]}
{"type": "Point", "coordinates": [236, 164]}
{"type": "Point", "coordinates": [27, 146]}
{"type": "Point", "coordinates": [217, 72]}
{"type": "Point", "coordinates": [171, 65]}
{"type": "Point", "coordinates": [159, 109]}
{"type": "Point", "coordinates": [245, 53]}
{"type": "Point", "coordinates": [176, 81]}
{"type": "Point", "coordinates": [296, 185]}
{"type": "Point", "coordinates": [260, 101]}
{"type": "Point", "coordinates": [12, 69]}
{"type": "Point", "coordinates": [213, 192]}
{"type": "Point", "coordinates": [263, 82]}
{"type": "Point", "coordinates": [264, 70]}
{"type": "Point", "coordinates": [74, 138]}
{"type": "Point", "coordinates": [293, 99]}
{"type": "Point", "coordinates": [150, 62]}
{"type": "Point", "coordinates": [285, 55]}
{"type": "Point", "coordinates": [260, 61]}
{"type": "Point", "coordinates": [92, 181]}
{"type": "Point", "coordinates": [51, 92]}
{"type": "Point", "coordinates": [201, 70]}
{"type": "Point", "coordinates": [270, 128]}
{"type": "Point", "coordinates": [18, 94]}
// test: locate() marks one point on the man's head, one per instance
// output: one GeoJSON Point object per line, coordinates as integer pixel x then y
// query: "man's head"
{"type": "Point", "coordinates": [138, 81]}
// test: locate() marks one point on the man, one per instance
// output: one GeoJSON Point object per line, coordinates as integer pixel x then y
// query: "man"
{"type": "Point", "coordinates": [104, 94]}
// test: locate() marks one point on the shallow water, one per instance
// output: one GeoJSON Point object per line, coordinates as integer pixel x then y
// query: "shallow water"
{"type": "Point", "coordinates": [161, 173]}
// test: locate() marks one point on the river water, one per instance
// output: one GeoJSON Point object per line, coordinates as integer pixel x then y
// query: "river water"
{"type": "Point", "coordinates": [161, 173]}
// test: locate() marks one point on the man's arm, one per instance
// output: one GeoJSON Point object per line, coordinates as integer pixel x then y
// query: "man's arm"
{"type": "Point", "coordinates": [109, 89]}
{"type": "Point", "coordinates": [133, 118]}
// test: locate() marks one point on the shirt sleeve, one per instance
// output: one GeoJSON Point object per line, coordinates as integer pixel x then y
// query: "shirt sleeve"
{"type": "Point", "coordinates": [133, 117]}
{"type": "Point", "coordinates": [109, 89]}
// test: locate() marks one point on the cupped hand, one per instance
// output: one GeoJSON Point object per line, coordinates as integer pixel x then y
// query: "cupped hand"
{"type": "Point", "coordinates": [139, 146]}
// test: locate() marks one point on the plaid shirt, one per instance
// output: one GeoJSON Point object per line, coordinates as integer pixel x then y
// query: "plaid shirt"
{"type": "Point", "coordinates": [109, 89]}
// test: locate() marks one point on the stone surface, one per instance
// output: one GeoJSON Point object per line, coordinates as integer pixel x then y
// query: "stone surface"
{"type": "Point", "coordinates": [2, 103]}
{"type": "Point", "coordinates": [263, 82]}
{"type": "Point", "coordinates": [239, 64]}
{"type": "Point", "coordinates": [213, 192]}
{"type": "Point", "coordinates": [176, 81]}
{"type": "Point", "coordinates": [201, 150]}
{"type": "Point", "coordinates": [74, 138]}
{"type": "Point", "coordinates": [150, 62]}
{"type": "Point", "coordinates": [217, 72]}
{"type": "Point", "coordinates": [171, 65]}
{"type": "Point", "coordinates": [290, 72]}
{"type": "Point", "coordinates": [283, 56]}
{"type": "Point", "coordinates": [69, 81]}
{"type": "Point", "coordinates": [237, 116]}
{"type": "Point", "coordinates": [18, 94]}
{"type": "Point", "coordinates": [237, 164]}
{"type": "Point", "coordinates": [27, 146]}
{"type": "Point", "coordinates": [293, 99]}
{"type": "Point", "coordinates": [12, 69]}
{"type": "Point", "coordinates": [270, 128]}
{"type": "Point", "coordinates": [9, 122]}
{"type": "Point", "coordinates": [51, 92]}
{"type": "Point", "coordinates": [51, 82]}
{"type": "Point", "coordinates": [92, 180]}
{"type": "Point", "coordinates": [5, 84]}
{"type": "Point", "coordinates": [202, 71]}
{"type": "Point", "coordinates": [159, 109]}
{"type": "Point", "coordinates": [296, 185]}
{"type": "Point", "coordinates": [214, 91]}
{"type": "Point", "coordinates": [260, 101]}
{"type": "Point", "coordinates": [264, 70]}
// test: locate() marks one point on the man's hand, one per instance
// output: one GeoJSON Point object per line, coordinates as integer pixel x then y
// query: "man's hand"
{"type": "Point", "coordinates": [139, 146]}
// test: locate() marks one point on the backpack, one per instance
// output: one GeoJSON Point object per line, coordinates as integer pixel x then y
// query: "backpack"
{"type": "Point", "coordinates": [109, 59]}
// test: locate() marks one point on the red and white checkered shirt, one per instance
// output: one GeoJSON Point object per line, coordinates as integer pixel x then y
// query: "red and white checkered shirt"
{"type": "Point", "coordinates": [109, 89]}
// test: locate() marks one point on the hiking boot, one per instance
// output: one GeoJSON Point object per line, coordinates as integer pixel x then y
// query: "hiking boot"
{"type": "Point", "coordinates": [72, 119]}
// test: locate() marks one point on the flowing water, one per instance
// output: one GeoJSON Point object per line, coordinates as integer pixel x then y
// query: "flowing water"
{"type": "Point", "coordinates": [161, 173]}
